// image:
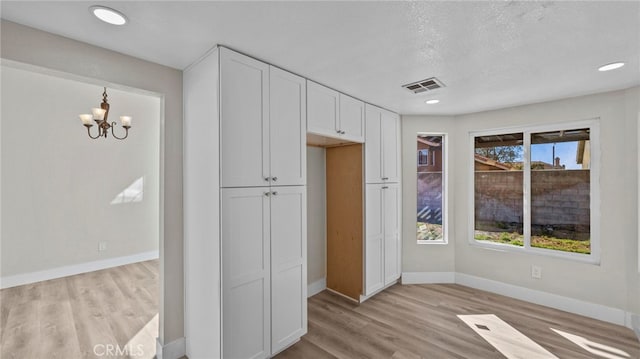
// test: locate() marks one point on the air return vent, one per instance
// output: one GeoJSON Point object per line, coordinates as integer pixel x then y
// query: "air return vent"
{"type": "Point", "coordinates": [429, 84]}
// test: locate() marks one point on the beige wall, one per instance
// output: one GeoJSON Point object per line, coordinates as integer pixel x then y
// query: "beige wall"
{"type": "Point", "coordinates": [424, 257]}
{"type": "Point", "coordinates": [63, 192]}
{"type": "Point", "coordinates": [618, 270]}
{"type": "Point", "coordinates": [27, 45]}
{"type": "Point", "coordinates": [316, 215]}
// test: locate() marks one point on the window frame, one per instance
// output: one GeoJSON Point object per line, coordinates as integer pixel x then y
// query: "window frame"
{"type": "Point", "coordinates": [594, 189]}
{"type": "Point", "coordinates": [445, 189]}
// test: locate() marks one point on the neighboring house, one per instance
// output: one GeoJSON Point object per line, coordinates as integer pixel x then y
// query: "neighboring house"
{"type": "Point", "coordinates": [583, 154]}
{"type": "Point", "coordinates": [429, 154]}
{"type": "Point", "coordinates": [483, 163]}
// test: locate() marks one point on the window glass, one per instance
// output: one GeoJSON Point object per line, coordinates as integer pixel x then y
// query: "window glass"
{"type": "Point", "coordinates": [498, 188]}
{"type": "Point", "coordinates": [430, 209]}
{"type": "Point", "coordinates": [560, 190]}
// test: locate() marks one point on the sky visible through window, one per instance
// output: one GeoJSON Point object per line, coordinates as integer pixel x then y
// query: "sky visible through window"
{"type": "Point", "coordinates": [566, 151]}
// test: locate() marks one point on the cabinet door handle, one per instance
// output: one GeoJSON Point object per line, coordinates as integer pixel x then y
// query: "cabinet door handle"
{"type": "Point", "coordinates": [274, 179]}
{"type": "Point", "coordinates": [338, 131]}
{"type": "Point", "coordinates": [342, 132]}
{"type": "Point", "coordinates": [385, 178]}
{"type": "Point", "coordinates": [385, 187]}
{"type": "Point", "coordinates": [266, 179]}
{"type": "Point", "coordinates": [275, 193]}
{"type": "Point", "coordinates": [267, 194]}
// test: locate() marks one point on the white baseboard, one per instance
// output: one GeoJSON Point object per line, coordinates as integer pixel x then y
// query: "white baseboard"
{"type": "Point", "coordinates": [571, 305]}
{"type": "Point", "coordinates": [316, 287]}
{"type": "Point", "coordinates": [174, 350]}
{"type": "Point", "coordinates": [633, 322]}
{"type": "Point", "coordinates": [28, 278]}
{"type": "Point", "coordinates": [428, 277]}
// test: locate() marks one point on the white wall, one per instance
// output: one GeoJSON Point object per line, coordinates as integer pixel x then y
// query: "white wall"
{"type": "Point", "coordinates": [615, 282]}
{"type": "Point", "coordinates": [316, 215]}
{"type": "Point", "coordinates": [62, 191]}
{"type": "Point", "coordinates": [425, 257]}
{"type": "Point", "coordinates": [27, 45]}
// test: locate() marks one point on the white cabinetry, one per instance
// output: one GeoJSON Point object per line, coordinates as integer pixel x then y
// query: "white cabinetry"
{"type": "Point", "coordinates": [262, 122]}
{"type": "Point", "coordinates": [288, 266]}
{"type": "Point", "coordinates": [255, 214]}
{"type": "Point", "coordinates": [263, 269]}
{"type": "Point", "coordinates": [246, 277]}
{"type": "Point", "coordinates": [382, 236]}
{"type": "Point", "coordinates": [333, 114]}
{"type": "Point", "coordinates": [382, 150]}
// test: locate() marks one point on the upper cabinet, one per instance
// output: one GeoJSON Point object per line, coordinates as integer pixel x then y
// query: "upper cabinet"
{"type": "Point", "coordinates": [287, 128]}
{"type": "Point", "coordinates": [351, 118]}
{"type": "Point", "coordinates": [333, 114]}
{"type": "Point", "coordinates": [263, 124]}
{"type": "Point", "coordinates": [382, 150]}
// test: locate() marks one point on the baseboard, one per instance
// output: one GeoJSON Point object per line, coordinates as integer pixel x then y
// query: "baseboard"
{"type": "Point", "coordinates": [174, 350]}
{"type": "Point", "coordinates": [28, 278]}
{"type": "Point", "coordinates": [428, 277]}
{"type": "Point", "coordinates": [571, 305]}
{"type": "Point", "coordinates": [633, 322]}
{"type": "Point", "coordinates": [316, 287]}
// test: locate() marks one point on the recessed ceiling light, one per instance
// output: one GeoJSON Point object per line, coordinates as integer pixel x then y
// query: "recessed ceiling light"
{"type": "Point", "coordinates": [612, 66]}
{"type": "Point", "coordinates": [108, 15]}
{"type": "Point", "coordinates": [432, 102]}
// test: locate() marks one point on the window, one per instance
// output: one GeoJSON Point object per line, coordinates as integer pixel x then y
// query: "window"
{"type": "Point", "coordinates": [532, 189]}
{"type": "Point", "coordinates": [431, 174]}
{"type": "Point", "coordinates": [423, 157]}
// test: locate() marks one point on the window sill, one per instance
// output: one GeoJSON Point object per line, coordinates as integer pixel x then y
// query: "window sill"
{"type": "Point", "coordinates": [582, 258]}
{"type": "Point", "coordinates": [441, 241]}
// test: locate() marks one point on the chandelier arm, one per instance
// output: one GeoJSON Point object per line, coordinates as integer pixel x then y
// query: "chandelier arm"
{"type": "Point", "coordinates": [113, 133]}
{"type": "Point", "coordinates": [89, 132]}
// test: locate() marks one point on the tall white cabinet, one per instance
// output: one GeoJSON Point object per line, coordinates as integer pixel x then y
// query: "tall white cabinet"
{"type": "Point", "coordinates": [382, 250]}
{"type": "Point", "coordinates": [245, 207]}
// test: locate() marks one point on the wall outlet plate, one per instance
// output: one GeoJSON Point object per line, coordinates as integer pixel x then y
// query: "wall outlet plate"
{"type": "Point", "coordinates": [536, 272]}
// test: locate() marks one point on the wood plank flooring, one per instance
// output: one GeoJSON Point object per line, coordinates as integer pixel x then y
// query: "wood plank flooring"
{"type": "Point", "coordinates": [67, 317]}
{"type": "Point", "coordinates": [420, 321]}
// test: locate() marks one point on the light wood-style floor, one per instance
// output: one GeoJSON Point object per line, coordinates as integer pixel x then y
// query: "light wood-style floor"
{"type": "Point", "coordinates": [420, 321]}
{"type": "Point", "coordinates": [67, 317]}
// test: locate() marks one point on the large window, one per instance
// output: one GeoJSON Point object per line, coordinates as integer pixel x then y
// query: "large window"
{"type": "Point", "coordinates": [431, 214]}
{"type": "Point", "coordinates": [533, 189]}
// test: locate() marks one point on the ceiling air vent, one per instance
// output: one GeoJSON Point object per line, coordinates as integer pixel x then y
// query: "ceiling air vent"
{"type": "Point", "coordinates": [429, 84]}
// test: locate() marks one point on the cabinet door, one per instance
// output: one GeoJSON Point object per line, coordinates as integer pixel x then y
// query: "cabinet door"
{"type": "Point", "coordinates": [288, 128]}
{"type": "Point", "coordinates": [322, 110]}
{"type": "Point", "coordinates": [351, 118]}
{"type": "Point", "coordinates": [288, 266]}
{"type": "Point", "coordinates": [390, 202]}
{"type": "Point", "coordinates": [373, 144]}
{"type": "Point", "coordinates": [374, 237]}
{"type": "Point", "coordinates": [245, 272]}
{"type": "Point", "coordinates": [390, 125]}
{"type": "Point", "coordinates": [244, 111]}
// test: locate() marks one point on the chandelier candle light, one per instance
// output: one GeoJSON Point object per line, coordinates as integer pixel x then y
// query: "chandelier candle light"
{"type": "Point", "coordinates": [99, 115]}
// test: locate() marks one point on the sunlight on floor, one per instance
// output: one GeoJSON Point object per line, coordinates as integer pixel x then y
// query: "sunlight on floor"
{"type": "Point", "coordinates": [592, 347]}
{"type": "Point", "coordinates": [145, 340]}
{"type": "Point", "coordinates": [510, 342]}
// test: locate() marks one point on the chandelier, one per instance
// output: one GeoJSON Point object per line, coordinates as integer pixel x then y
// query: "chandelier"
{"type": "Point", "coordinates": [100, 116]}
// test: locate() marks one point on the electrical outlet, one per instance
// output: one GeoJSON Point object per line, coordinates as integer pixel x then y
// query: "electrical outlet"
{"type": "Point", "coordinates": [102, 246]}
{"type": "Point", "coordinates": [536, 272]}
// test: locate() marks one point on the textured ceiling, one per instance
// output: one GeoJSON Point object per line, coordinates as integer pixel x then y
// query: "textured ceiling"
{"type": "Point", "coordinates": [488, 54]}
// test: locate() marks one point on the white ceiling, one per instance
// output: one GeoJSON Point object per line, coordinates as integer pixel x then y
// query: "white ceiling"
{"type": "Point", "coordinates": [490, 54]}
